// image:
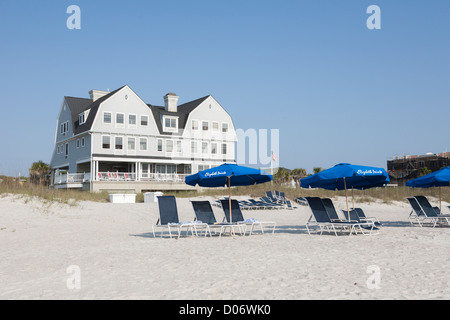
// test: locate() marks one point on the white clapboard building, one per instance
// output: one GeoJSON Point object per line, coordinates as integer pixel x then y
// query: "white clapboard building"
{"type": "Point", "coordinates": [116, 141]}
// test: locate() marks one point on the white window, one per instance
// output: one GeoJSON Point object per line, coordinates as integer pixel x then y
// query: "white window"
{"type": "Point", "coordinates": [179, 146]}
{"type": "Point", "coordinates": [78, 143]}
{"type": "Point", "coordinates": [194, 147]}
{"type": "Point", "coordinates": [224, 127]}
{"type": "Point", "coordinates": [144, 121]}
{"type": "Point", "coordinates": [132, 119]}
{"type": "Point", "coordinates": [118, 143]}
{"type": "Point", "coordinates": [131, 143]}
{"type": "Point", "coordinates": [160, 145]}
{"type": "Point", "coordinates": [143, 144]}
{"type": "Point", "coordinates": [205, 125]}
{"type": "Point", "coordinates": [120, 118]}
{"type": "Point", "coordinates": [194, 125]}
{"type": "Point", "coordinates": [202, 167]}
{"type": "Point", "coordinates": [170, 124]}
{"type": "Point", "coordinates": [67, 150]}
{"type": "Point", "coordinates": [169, 145]}
{"type": "Point", "coordinates": [213, 148]}
{"type": "Point", "coordinates": [82, 142]}
{"type": "Point", "coordinates": [106, 142]}
{"type": "Point", "coordinates": [204, 147]}
{"type": "Point", "coordinates": [106, 117]}
{"type": "Point", "coordinates": [81, 118]}
{"type": "Point", "coordinates": [224, 148]}
{"type": "Point", "coordinates": [215, 126]}
{"type": "Point", "coordinates": [64, 128]}
{"type": "Point", "coordinates": [57, 149]}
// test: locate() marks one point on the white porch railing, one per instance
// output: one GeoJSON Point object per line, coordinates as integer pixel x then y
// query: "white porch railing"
{"type": "Point", "coordinates": [72, 178]}
{"type": "Point", "coordinates": [116, 176]}
{"type": "Point", "coordinates": [163, 177]}
{"type": "Point", "coordinates": [131, 176]}
{"type": "Point", "coordinates": [119, 176]}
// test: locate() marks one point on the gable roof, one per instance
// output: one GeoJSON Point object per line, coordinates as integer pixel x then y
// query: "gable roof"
{"type": "Point", "coordinates": [78, 105]}
{"type": "Point", "coordinates": [182, 113]}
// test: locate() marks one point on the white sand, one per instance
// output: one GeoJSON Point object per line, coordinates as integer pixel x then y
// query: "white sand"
{"type": "Point", "coordinates": [118, 258]}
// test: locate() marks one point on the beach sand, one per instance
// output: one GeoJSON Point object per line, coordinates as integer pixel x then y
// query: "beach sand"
{"type": "Point", "coordinates": [116, 256]}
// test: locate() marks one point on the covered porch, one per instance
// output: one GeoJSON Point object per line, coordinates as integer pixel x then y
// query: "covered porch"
{"type": "Point", "coordinates": [121, 172]}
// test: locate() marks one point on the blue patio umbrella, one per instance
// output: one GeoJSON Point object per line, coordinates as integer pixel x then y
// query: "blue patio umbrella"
{"type": "Point", "coordinates": [440, 178]}
{"type": "Point", "coordinates": [345, 175]}
{"type": "Point", "coordinates": [229, 175]}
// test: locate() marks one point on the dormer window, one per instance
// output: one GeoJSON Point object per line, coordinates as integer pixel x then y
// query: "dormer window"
{"type": "Point", "coordinates": [170, 123]}
{"type": "Point", "coordinates": [81, 118]}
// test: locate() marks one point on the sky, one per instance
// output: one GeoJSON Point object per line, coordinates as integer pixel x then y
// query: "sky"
{"type": "Point", "coordinates": [336, 90]}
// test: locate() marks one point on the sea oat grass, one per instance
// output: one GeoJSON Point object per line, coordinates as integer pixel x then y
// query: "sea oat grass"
{"type": "Point", "coordinates": [71, 197]}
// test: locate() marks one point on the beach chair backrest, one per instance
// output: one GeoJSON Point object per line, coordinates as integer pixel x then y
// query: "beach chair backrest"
{"type": "Point", "coordinates": [266, 200]}
{"type": "Point", "coordinates": [270, 196]}
{"type": "Point", "coordinates": [318, 210]}
{"type": "Point", "coordinates": [426, 206]}
{"type": "Point", "coordinates": [282, 195]}
{"type": "Point", "coordinates": [236, 213]}
{"type": "Point", "coordinates": [415, 205]}
{"type": "Point", "coordinates": [329, 207]}
{"type": "Point", "coordinates": [168, 212]}
{"type": "Point", "coordinates": [204, 212]}
{"type": "Point", "coordinates": [360, 212]}
{"type": "Point", "coordinates": [353, 215]}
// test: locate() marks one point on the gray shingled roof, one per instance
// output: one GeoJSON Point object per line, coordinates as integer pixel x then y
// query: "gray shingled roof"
{"type": "Point", "coordinates": [78, 105]}
{"type": "Point", "coordinates": [182, 113]}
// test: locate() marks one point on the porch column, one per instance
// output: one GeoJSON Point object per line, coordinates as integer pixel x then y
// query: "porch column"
{"type": "Point", "coordinates": [96, 169]}
{"type": "Point", "coordinates": [137, 169]}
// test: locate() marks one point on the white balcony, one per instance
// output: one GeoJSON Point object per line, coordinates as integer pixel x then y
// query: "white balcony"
{"type": "Point", "coordinates": [78, 179]}
{"type": "Point", "coordinates": [71, 178]}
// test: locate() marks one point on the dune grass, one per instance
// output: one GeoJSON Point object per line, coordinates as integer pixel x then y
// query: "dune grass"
{"type": "Point", "coordinates": [71, 197]}
{"type": "Point", "coordinates": [50, 196]}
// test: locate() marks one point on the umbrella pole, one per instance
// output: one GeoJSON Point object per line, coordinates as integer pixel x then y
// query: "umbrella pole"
{"type": "Point", "coordinates": [229, 198]}
{"type": "Point", "coordinates": [346, 199]}
{"type": "Point", "coordinates": [440, 200]}
{"type": "Point", "coordinates": [353, 199]}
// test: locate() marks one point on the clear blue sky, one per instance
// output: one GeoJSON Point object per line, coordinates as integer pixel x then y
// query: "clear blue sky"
{"type": "Point", "coordinates": [337, 91]}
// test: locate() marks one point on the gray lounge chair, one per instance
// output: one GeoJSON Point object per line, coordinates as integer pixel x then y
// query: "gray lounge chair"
{"type": "Point", "coordinates": [258, 204]}
{"type": "Point", "coordinates": [430, 213]}
{"type": "Point", "coordinates": [289, 205]}
{"type": "Point", "coordinates": [271, 197]}
{"type": "Point", "coordinates": [363, 217]}
{"type": "Point", "coordinates": [205, 214]}
{"type": "Point", "coordinates": [331, 210]}
{"type": "Point", "coordinates": [322, 220]}
{"type": "Point", "coordinates": [355, 217]}
{"type": "Point", "coordinates": [238, 218]}
{"type": "Point", "coordinates": [168, 218]}
{"type": "Point", "coordinates": [270, 204]}
{"type": "Point", "coordinates": [416, 215]}
{"type": "Point", "coordinates": [282, 197]}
